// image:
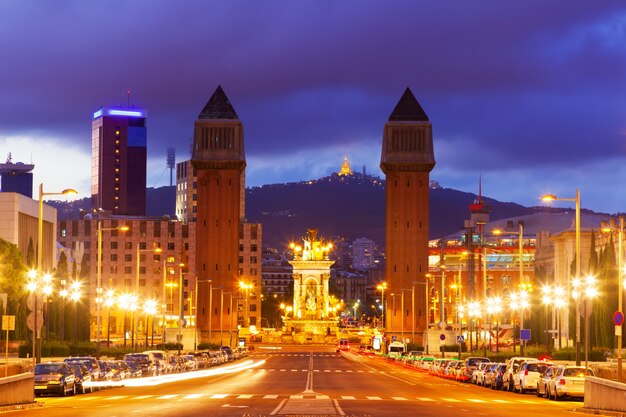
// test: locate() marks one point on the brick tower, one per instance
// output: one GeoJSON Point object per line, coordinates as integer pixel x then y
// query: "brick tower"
{"type": "Point", "coordinates": [219, 160]}
{"type": "Point", "coordinates": [407, 158]}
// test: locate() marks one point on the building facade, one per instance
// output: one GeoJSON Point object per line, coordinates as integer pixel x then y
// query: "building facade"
{"type": "Point", "coordinates": [407, 159]}
{"type": "Point", "coordinates": [147, 256]}
{"type": "Point", "coordinates": [118, 161]}
{"type": "Point", "coordinates": [363, 253]}
{"type": "Point", "coordinates": [16, 178]}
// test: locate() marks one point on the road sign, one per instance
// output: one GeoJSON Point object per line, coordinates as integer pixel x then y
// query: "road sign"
{"type": "Point", "coordinates": [460, 339]}
{"type": "Point", "coordinates": [618, 318]}
{"type": "Point", "coordinates": [8, 322]}
{"type": "Point", "coordinates": [618, 330]}
{"type": "Point", "coordinates": [30, 321]}
{"type": "Point", "coordinates": [30, 302]}
{"type": "Point", "coordinates": [524, 334]}
{"type": "Point", "coordinates": [442, 337]}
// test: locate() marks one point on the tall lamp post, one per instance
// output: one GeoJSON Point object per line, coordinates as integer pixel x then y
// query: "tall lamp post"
{"type": "Point", "coordinates": [620, 291]}
{"type": "Point", "coordinates": [99, 298]}
{"type": "Point", "coordinates": [138, 267]}
{"type": "Point", "coordinates": [382, 287]}
{"type": "Point", "coordinates": [36, 333]}
{"type": "Point", "coordinates": [576, 200]}
{"type": "Point", "coordinates": [585, 289]}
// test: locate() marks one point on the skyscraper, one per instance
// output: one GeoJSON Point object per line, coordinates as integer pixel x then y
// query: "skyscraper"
{"type": "Point", "coordinates": [407, 159]}
{"type": "Point", "coordinates": [118, 160]}
{"type": "Point", "coordinates": [219, 160]}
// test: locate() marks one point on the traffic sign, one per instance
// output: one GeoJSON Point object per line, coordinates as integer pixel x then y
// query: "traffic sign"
{"type": "Point", "coordinates": [460, 339]}
{"type": "Point", "coordinates": [30, 321]}
{"type": "Point", "coordinates": [524, 334]}
{"type": "Point", "coordinates": [8, 322]}
{"type": "Point", "coordinates": [618, 318]}
{"type": "Point", "coordinates": [30, 301]}
{"type": "Point", "coordinates": [442, 337]}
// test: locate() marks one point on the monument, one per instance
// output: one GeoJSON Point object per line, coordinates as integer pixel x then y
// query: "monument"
{"type": "Point", "coordinates": [312, 319]}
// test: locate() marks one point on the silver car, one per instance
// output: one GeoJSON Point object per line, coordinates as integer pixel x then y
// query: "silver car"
{"type": "Point", "coordinates": [569, 381]}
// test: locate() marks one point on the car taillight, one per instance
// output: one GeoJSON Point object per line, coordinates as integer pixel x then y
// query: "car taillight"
{"type": "Point", "coordinates": [561, 382]}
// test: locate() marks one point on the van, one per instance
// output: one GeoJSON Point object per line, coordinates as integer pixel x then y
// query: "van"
{"type": "Point", "coordinates": [343, 344]}
{"type": "Point", "coordinates": [396, 350]}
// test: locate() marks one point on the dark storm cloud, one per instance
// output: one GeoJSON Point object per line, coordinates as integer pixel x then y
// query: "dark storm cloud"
{"type": "Point", "coordinates": [535, 83]}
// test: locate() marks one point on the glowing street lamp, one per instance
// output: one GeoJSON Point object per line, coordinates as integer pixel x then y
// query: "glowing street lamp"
{"type": "Point", "coordinates": [138, 266]}
{"type": "Point", "coordinates": [586, 289]}
{"type": "Point", "coordinates": [576, 200]}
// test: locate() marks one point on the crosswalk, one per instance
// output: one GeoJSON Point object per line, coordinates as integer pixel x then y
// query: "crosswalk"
{"type": "Point", "coordinates": [223, 396]}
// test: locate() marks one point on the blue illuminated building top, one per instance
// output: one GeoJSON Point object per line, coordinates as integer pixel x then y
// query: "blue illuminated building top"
{"type": "Point", "coordinates": [121, 112]}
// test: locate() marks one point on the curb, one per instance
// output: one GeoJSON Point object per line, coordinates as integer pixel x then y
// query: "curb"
{"type": "Point", "coordinates": [596, 411]}
{"type": "Point", "coordinates": [5, 408]}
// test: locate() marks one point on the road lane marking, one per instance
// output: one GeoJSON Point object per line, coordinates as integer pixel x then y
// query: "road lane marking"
{"type": "Point", "coordinates": [502, 401]}
{"type": "Point", "coordinates": [167, 397]}
{"type": "Point", "coordinates": [143, 397]}
{"type": "Point", "coordinates": [294, 370]}
{"type": "Point", "coordinates": [476, 401]}
{"type": "Point", "coordinates": [374, 398]}
{"type": "Point", "coordinates": [194, 396]}
{"type": "Point", "coordinates": [337, 370]}
{"type": "Point", "coordinates": [277, 409]}
{"type": "Point", "coordinates": [296, 397]}
{"type": "Point", "coordinates": [117, 397]}
{"type": "Point", "coordinates": [399, 398]}
{"type": "Point", "coordinates": [244, 396]}
{"type": "Point", "coordinates": [451, 400]}
{"type": "Point", "coordinates": [322, 397]}
{"type": "Point", "coordinates": [528, 402]}
{"type": "Point", "coordinates": [338, 408]}
{"type": "Point", "coordinates": [218, 396]}
{"type": "Point", "coordinates": [347, 397]}
{"type": "Point", "coordinates": [270, 397]}
{"type": "Point", "coordinates": [425, 399]}
{"type": "Point", "coordinates": [326, 370]}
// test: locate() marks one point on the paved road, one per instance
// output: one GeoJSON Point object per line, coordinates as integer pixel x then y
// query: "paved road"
{"type": "Point", "coordinates": [301, 382]}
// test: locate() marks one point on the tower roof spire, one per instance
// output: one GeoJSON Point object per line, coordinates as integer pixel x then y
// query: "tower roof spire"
{"type": "Point", "coordinates": [218, 107]}
{"type": "Point", "coordinates": [408, 109]}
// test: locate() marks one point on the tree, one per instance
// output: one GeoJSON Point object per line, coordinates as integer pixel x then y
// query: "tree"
{"type": "Point", "coordinates": [30, 254]}
{"type": "Point", "coordinates": [13, 283]}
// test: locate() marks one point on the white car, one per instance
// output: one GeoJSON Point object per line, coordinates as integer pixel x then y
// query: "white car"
{"type": "Point", "coordinates": [569, 381]}
{"type": "Point", "coordinates": [525, 379]}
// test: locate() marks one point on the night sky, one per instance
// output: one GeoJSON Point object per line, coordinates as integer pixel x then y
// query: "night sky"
{"type": "Point", "coordinates": [529, 94]}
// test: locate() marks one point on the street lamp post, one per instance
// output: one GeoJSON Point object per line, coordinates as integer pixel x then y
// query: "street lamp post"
{"type": "Point", "coordinates": [108, 302]}
{"type": "Point", "coordinates": [620, 290]}
{"type": "Point", "coordinates": [576, 200]}
{"type": "Point", "coordinates": [210, 310]}
{"type": "Point", "coordinates": [99, 299]}
{"type": "Point", "coordinates": [36, 333]}
{"type": "Point", "coordinates": [245, 286]}
{"type": "Point", "coordinates": [138, 267]}
{"type": "Point", "coordinates": [382, 287]}
{"type": "Point", "coordinates": [585, 288]}
{"type": "Point", "coordinates": [547, 300]}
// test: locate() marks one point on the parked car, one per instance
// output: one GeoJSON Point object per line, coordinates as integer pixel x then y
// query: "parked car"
{"type": "Point", "coordinates": [525, 379]}
{"type": "Point", "coordinates": [544, 380]}
{"type": "Point", "coordinates": [489, 375]}
{"type": "Point", "coordinates": [82, 377]}
{"type": "Point", "coordinates": [160, 360]}
{"type": "Point", "coordinates": [512, 366]}
{"type": "Point", "coordinates": [469, 365]}
{"type": "Point", "coordinates": [144, 361]}
{"type": "Point", "coordinates": [106, 372]}
{"type": "Point", "coordinates": [568, 381]}
{"type": "Point", "coordinates": [479, 373]}
{"type": "Point", "coordinates": [229, 353]}
{"type": "Point", "coordinates": [135, 369]}
{"type": "Point", "coordinates": [54, 377]}
{"type": "Point", "coordinates": [91, 363]}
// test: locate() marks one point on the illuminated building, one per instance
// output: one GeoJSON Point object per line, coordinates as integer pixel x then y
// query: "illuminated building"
{"type": "Point", "coordinates": [407, 159]}
{"type": "Point", "coordinates": [345, 168]}
{"type": "Point", "coordinates": [118, 160]}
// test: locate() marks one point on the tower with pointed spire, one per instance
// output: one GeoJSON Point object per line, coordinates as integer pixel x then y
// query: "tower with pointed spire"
{"type": "Point", "coordinates": [219, 161]}
{"type": "Point", "coordinates": [407, 159]}
{"type": "Point", "coordinates": [345, 168]}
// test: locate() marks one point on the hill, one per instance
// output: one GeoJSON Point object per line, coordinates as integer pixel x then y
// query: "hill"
{"type": "Point", "coordinates": [349, 206]}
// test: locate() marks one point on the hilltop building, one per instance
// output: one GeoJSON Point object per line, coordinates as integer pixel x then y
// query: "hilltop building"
{"type": "Point", "coordinates": [118, 160]}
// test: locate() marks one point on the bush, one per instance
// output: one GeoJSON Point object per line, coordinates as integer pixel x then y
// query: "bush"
{"type": "Point", "coordinates": [208, 346]}
{"type": "Point", "coordinates": [169, 346]}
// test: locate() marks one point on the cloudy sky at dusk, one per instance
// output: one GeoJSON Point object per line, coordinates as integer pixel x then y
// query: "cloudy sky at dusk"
{"type": "Point", "coordinates": [532, 94]}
